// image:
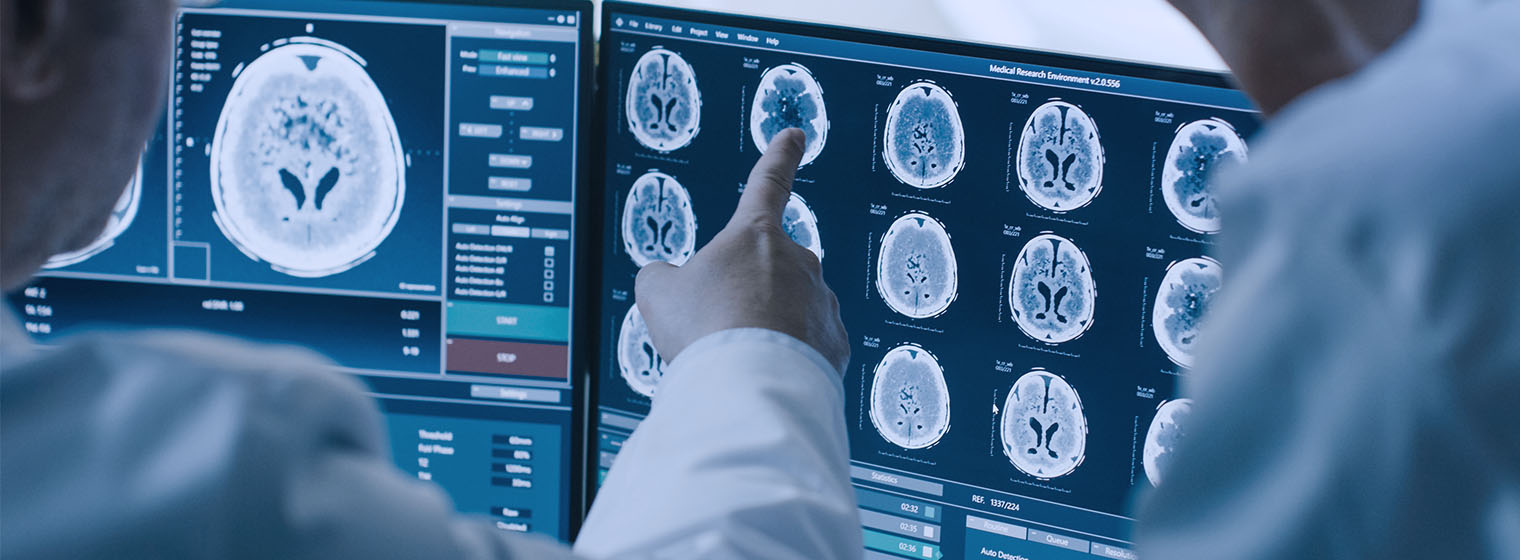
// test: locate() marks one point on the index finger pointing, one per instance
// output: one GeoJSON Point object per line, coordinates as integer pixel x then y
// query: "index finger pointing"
{"type": "Point", "coordinates": [770, 183]}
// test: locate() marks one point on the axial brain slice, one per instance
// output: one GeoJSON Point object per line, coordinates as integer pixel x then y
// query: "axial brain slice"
{"type": "Point", "coordinates": [910, 404]}
{"type": "Point", "coordinates": [916, 270]}
{"type": "Point", "coordinates": [925, 144]}
{"type": "Point", "coordinates": [1044, 430]}
{"type": "Point", "coordinates": [664, 105]}
{"type": "Point", "coordinates": [1060, 158]}
{"type": "Point", "coordinates": [641, 366]}
{"type": "Point", "coordinates": [1199, 150]}
{"type": "Point", "coordinates": [307, 171]}
{"type": "Point", "coordinates": [1184, 299]}
{"type": "Point", "coordinates": [658, 222]}
{"type": "Point", "coordinates": [790, 97]}
{"type": "Point", "coordinates": [1168, 429]}
{"type": "Point", "coordinates": [801, 224]}
{"type": "Point", "coordinates": [1052, 291]}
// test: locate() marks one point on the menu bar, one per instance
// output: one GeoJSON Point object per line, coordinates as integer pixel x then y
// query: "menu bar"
{"type": "Point", "coordinates": [935, 61]}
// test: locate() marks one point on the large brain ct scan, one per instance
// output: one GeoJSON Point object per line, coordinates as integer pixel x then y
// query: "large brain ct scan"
{"type": "Point", "coordinates": [1060, 158]}
{"type": "Point", "coordinates": [916, 271]}
{"type": "Point", "coordinates": [1183, 300]}
{"type": "Point", "coordinates": [664, 105]}
{"type": "Point", "coordinates": [307, 171]}
{"type": "Point", "coordinates": [801, 224]}
{"type": "Point", "coordinates": [1052, 292]}
{"type": "Point", "coordinates": [1200, 149]}
{"type": "Point", "coordinates": [925, 142]}
{"type": "Point", "coordinates": [789, 97]}
{"type": "Point", "coordinates": [1168, 429]}
{"type": "Point", "coordinates": [1044, 429]}
{"type": "Point", "coordinates": [910, 404]}
{"type": "Point", "coordinates": [120, 219]}
{"type": "Point", "coordinates": [640, 364]}
{"type": "Point", "coordinates": [658, 222]}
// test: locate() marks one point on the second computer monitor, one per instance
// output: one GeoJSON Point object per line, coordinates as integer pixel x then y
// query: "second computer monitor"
{"type": "Point", "coordinates": [393, 185]}
{"type": "Point", "coordinates": [1019, 242]}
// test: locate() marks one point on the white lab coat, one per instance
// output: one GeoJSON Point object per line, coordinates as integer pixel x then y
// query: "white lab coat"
{"type": "Point", "coordinates": [1358, 394]}
{"type": "Point", "coordinates": [182, 445]}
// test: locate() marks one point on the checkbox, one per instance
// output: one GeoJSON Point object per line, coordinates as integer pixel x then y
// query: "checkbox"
{"type": "Point", "coordinates": [548, 285]}
{"type": "Point", "coordinates": [548, 263]}
{"type": "Point", "coordinates": [549, 297]}
{"type": "Point", "coordinates": [549, 251]}
{"type": "Point", "coordinates": [549, 274]}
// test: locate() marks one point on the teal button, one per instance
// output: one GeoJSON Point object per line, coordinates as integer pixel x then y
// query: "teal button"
{"type": "Point", "coordinates": [514, 57]}
{"type": "Point", "coordinates": [908, 548]}
{"type": "Point", "coordinates": [502, 320]}
{"type": "Point", "coordinates": [897, 506]}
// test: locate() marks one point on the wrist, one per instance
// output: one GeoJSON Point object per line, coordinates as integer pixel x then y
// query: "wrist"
{"type": "Point", "coordinates": [722, 342]}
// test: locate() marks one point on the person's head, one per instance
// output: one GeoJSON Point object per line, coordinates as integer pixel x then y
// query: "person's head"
{"type": "Point", "coordinates": [1280, 49]}
{"type": "Point", "coordinates": [81, 83]}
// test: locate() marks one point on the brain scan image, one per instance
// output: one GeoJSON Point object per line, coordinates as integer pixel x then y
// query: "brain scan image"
{"type": "Point", "coordinates": [1052, 292]}
{"type": "Point", "coordinates": [664, 105]}
{"type": "Point", "coordinates": [658, 222]}
{"type": "Point", "coordinates": [1060, 157]}
{"type": "Point", "coordinates": [1168, 429]}
{"type": "Point", "coordinates": [925, 143]}
{"type": "Point", "coordinates": [916, 271]}
{"type": "Point", "coordinates": [307, 171]}
{"type": "Point", "coordinates": [1044, 430]}
{"type": "Point", "coordinates": [910, 404]}
{"type": "Point", "coordinates": [1200, 149]}
{"type": "Point", "coordinates": [121, 218]}
{"type": "Point", "coordinates": [801, 224]}
{"type": "Point", "coordinates": [638, 361]}
{"type": "Point", "coordinates": [789, 97]}
{"type": "Point", "coordinates": [1183, 300]}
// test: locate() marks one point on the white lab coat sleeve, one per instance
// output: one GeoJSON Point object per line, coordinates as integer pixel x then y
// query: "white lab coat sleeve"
{"type": "Point", "coordinates": [744, 455]}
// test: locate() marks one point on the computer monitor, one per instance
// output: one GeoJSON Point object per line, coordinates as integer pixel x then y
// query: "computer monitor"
{"type": "Point", "coordinates": [1019, 242]}
{"type": "Point", "coordinates": [393, 184]}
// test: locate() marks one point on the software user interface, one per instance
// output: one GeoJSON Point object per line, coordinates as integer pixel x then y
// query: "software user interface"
{"type": "Point", "coordinates": [390, 184]}
{"type": "Point", "coordinates": [1018, 244]}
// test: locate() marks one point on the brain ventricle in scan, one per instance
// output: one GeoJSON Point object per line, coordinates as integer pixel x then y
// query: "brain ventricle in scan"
{"type": "Point", "coordinates": [910, 403]}
{"type": "Point", "coordinates": [1044, 429]}
{"type": "Point", "coordinates": [790, 97]}
{"type": "Point", "coordinates": [658, 221]}
{"type": "Point", "coordinates": [1060, 158]}
{"type": "Point", "coordinates": [1052, 292]}
{"type": "Point", "coordinates": [916, 270]}
{"type": "Point", "coordinates": [925, 142]}
{"type": "Point", "coordinates": [664, 105]}
{"type": "Point", "coordinates": [1199, 150]}
{"type": "Point", "coordinates": [640, 364]}
{"type": "Point", "coordinates": [307, 170]}
{"type": "Point", "coordinates": [1184, 298]}
{"type": "Point", "coordinates": [1168, 429]}
{"type": "Point", "coordinates": [801, 224]}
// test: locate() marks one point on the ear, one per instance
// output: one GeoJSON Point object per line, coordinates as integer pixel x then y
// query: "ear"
{"type": "Point", "coordinates": [33, 38]}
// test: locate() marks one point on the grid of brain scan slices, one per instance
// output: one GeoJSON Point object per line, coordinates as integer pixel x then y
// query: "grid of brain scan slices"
{"type": "Point", "coordinates": [1019, 244]}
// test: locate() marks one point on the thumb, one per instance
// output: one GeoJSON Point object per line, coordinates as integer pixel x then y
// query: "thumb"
{"type": "Point", "coordinates": [652, 278]}
{"type": "Point", "coordinates": [770, 183]}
